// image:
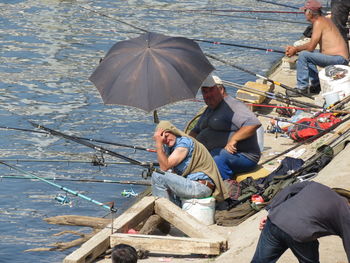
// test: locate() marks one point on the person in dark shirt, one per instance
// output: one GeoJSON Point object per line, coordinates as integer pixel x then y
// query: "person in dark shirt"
{"type": "Point", "coordinates": [340, 14]}
{"type": "Point", "coordinates": [299, 215]}
{"type": "Point", "coordinates": [227, 128]}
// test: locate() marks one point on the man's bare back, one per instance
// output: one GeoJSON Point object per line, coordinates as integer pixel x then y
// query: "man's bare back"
{"type": "Point", "coordinates": [328, 36]}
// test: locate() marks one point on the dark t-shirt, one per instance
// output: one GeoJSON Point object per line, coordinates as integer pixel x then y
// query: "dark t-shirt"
{"type": "Point", "coordinates": [216, 126]}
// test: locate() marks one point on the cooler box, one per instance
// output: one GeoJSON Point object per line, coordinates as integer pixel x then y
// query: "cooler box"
{"type": "Point", "coordinates": [330, 85]}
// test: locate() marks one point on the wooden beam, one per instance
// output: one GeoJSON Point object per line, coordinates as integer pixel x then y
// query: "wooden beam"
{"type": "Point", "coordinates": [183, 221]}
{"type": "Point", "coordinates": [154, 222]}
{"type": "Point", "coordinates": [100, 242]}
{"type": "Point", "coordinates": [168, 244]}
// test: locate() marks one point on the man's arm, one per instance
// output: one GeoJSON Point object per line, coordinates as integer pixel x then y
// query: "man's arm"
{"type": "Point", "coordinates": [176, 157]}
{"type": "Point", "coordinates": [240, 135]}
{"type": "Point", "coordinates": [309, 46]}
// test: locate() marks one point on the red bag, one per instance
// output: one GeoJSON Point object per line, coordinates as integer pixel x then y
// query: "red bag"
{"type": "Point", "coordinates": [322, 121]}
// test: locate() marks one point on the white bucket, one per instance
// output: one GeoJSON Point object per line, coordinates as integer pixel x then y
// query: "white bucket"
{"type": "Point", "coordinates": [341, 85]}
{"type": "Point", "coordinates": [203, 209]}
{"type": "Point", "coordinates": [331, 97]}
{"type": "Point", "coordinates": [260, 136]}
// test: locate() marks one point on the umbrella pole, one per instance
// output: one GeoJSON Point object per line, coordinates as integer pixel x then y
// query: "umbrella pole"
{"type": "Point", "coordinates": [155, 117]}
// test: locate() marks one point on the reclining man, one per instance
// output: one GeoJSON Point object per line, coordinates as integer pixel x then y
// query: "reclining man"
{"type": "Point", "coordinates": [194, 173]}
{"type": "Point", "coordinates": [227, 128]}
{"type": "Point", "coordinates": [333, 50]}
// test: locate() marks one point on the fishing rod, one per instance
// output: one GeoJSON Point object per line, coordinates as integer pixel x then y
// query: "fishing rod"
{"type": "Point", "coordinates": [259, 18]}
{"type": "Point", "coordinates": [329, 149]}
{"type": "Point", "coordinates": [289, 121]}
{"type": "Point", "coordinates": [83, 138]}
{"type": "Point", "coordinates": [341, 103]}
{"type": "Point", "coordinates": [235, 11]}
{"type": "Point", "coordinates": [78, 180]}
{"type": "Point", "coordinates": [284, 99]}
{"type": "Point", "coordinates": [120, 21]}
{"type": "Point", "coordinates": [275, 106]}
{"type": "Point", "coordinates": [150, 166]}
{"type": "Point", "coordinates": [198, 40]}
{"type": "Point", "coordinates": [331, 110]}
{"type": "Point", "coordinates": [310, 139]}
{"type": "Point", "coordinates": [238, 45]}
{"type": "Point", "coordinates": [65, 189]}
{"type": "Point", "coordinates": [57, 161]}
{"type": "Point", "coordinates": [256, 75]}
{"type": "Point", "coordinates": [275, 96]}
{"type": "Point", "coordinates": [274, 3]}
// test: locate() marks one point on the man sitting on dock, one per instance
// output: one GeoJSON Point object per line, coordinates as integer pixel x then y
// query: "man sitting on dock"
{"type": "Point", "coordinates": [194, 173]}
{"type": "Point", "coordinates": [227, 128]}
{"type": "Point", "coordinates": [333, 50]}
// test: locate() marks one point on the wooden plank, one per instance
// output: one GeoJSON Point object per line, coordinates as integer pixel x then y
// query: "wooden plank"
{"type": "Point", "coordinates": [184, 221]}
{"type": "Point", "coordinates": [253, 97]}
{"type": "Point", "coordinates": [168, 244]}
{"type": "Point", "coordinates": [101, 241]}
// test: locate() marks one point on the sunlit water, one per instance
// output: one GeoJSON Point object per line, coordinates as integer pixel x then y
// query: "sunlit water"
{"type": "Point", "coordinates": [48, 50]}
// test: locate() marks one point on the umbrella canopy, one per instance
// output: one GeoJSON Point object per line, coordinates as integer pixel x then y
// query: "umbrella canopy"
{"type": "Point", "coordinates": [150, 71]}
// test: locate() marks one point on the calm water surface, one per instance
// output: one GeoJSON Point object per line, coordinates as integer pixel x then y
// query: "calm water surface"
{"type": "Point", "coordinates": [48, 50]}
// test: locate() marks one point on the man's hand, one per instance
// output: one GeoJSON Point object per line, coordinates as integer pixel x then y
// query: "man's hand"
{"type": "Point", "coordinates": [291, 51]}
{"type": "Point", "coordinates": [231, 146]}
{"type": "Point", "coordinates": [262, 223]}
{"type": "Point", "coordinates": [158, 136]}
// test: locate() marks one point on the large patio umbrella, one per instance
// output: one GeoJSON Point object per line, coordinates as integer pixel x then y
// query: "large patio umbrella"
{"type": "Point", "coordinates": [150, 71]}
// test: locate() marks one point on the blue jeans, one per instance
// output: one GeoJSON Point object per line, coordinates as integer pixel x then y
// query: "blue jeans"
{"type": "Point", "coordinates": [174, 187]}
{"type": "Point", "coordinates": [230, 164]}
{"type": "Point", "coordinates": [273, 242]}
{"type": "Point", "coordinates": [307, 70]}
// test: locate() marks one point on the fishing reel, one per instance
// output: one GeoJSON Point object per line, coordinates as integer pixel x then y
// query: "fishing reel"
{"type": "Point", "coordinates": [63, 199]}
{"type": "Point", "coordinates": [147, 173]}
{"type": "Point", "coordinates": [98, 160]}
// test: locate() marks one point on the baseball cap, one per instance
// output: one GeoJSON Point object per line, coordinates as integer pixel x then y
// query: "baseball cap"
{"type": "Point", "coordinates": [312, 5]}
{"type": "Point", "coordinates": [211, 81]}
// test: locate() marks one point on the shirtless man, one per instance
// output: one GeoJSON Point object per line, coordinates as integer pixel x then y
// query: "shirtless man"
{"type": "Point", "coordinates": [333, 50]}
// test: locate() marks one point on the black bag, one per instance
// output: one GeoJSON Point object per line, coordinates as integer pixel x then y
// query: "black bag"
{"type": "Point", "coordinates": [308, 31]}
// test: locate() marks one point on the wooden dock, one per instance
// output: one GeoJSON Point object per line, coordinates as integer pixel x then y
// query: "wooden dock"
{"type": "Point", "coordinates": [198, 239]}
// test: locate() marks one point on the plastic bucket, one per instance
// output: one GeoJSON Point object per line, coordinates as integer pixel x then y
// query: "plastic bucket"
{"type": "Point", "coordinates": [203, 209]}
{"type": "Point", "coordinates": [331, 97]}
{"type": "Point", "coordinates": [341, 85]}
{"type": "Point", "coordinates": [260, 136]}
